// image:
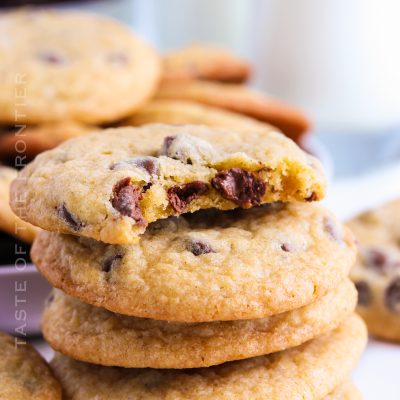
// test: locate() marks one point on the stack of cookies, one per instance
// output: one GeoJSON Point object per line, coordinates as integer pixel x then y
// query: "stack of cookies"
{"type": "Point", "coordinates": [191, 263]}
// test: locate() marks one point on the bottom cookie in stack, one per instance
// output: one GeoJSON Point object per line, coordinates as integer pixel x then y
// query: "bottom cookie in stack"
{"type": "Point", "coordinates": [313, 370]}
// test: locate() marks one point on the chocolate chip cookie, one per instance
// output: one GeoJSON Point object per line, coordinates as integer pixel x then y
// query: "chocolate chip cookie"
{"type": "Point", "coordinates": [70, 65]}
{"type": "Point", "coordinates": [242, 100]}
{"type": "Point", "coordinates": [201, 61]}
{"type": "Point", "coordinates": [206, 266]}
{"type": "Point", "coordinates": [109, 186]}
{"type": "Point", "coordinates": [23, 373]}
{"type": "Point", "coordinates": [95, 335]}
{"type": "Point", "coordinates": [308, 372]}
{"type": "Point", "coordinates": [189, 112]}
{"type": "Point", "coordinates": [9, 222]}
{"type": "Point", "coordinates": [377, 271]}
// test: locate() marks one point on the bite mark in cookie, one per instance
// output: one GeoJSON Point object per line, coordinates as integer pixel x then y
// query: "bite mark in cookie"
{"type": "Point", "coordinates": [126, 199]}
{"type": "Point", "coordinates": [239, 186]}
{"type": "Point", "coordinates": [179, 197]}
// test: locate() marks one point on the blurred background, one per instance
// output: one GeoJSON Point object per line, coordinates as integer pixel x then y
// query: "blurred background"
{"type": "Point", "coordinates": [337, 60]}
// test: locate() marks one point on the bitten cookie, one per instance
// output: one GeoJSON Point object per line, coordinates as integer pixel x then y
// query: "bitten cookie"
{"type": "Point", "coordinates": [110, 185]}
{"type": "Point", "coordinates": [207, 266]}
{"type": "Point", "coordinates": [95, 335]}
{"type": "Point", "coordinates": [377, 271]}
{"type": "Point", "coordinates": [68, 65]}
{"type": "Point", "coordinates": [307, 372]}
{"type": "Point", "coordinates": [189, 112]}
{"type": "Point", "coordinates": [28, 142]}
{"type": "Point", "coordinates": [9, 222]}
{"type": "Point", "coordinates": [242, 100]}
{"type": "Point", "coordinates": [200, 61]}
{"type": "Point", "coordinates": [24, 374]}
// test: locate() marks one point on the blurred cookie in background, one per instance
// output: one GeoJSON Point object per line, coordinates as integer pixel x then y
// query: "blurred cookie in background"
{"type": "Point", "coordinates": [9, 222]}
{"type": "Point", "coordinates": [189, 112]}
{"type": "Point", "coordinates": [24, 374]}
{"type": "Point", "coordinates": [71, 65]}
{"type": "Point", "coordinates": [377, 271]}
{"type": "Point", "coordinates": [30, 141]}
{"type": "Point", "coordinates": [242, 100]}
{"type": "Point", "coordinates": [204, 61]}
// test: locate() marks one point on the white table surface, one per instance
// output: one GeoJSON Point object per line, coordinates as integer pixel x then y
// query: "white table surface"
{"type": "Point", "coordinates": [377, 375]}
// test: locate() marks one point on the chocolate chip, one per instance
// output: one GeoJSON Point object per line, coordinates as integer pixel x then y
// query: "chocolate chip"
{"type": "Point", "coordinates": [126, 199]}
{"type": "Point", "coordinates": [312, 197]}
{"type": "Point", "coordinates": [332, 229]}
{"type": "Point", "coordinates": [375, 258]}
{"type": "Point", "coordinates": [49, 299]}
{"type": "Point", "coordinates": [149, 164]}
{"type": "Point", "coordinates": [198, 247]}
{"type": "Point", "coordinates": [285, 247]}
{"type": "Point", "coordinates": [167, 143]}
{"type": "Point", "coordinates": [392, 296]}
{"type": "Point", "coordinates": [364, 293]}
{"type": "Point", "coordinates": [69, 218]}
{"type": "Point", "coordinates": [119, 58]}
{"type": "Point", "coordinates": [109, 262]}
{"type": "Point", "coordinates": [50, 57]}
{"type": "Point", "coordinates": [240, 186]}
{"type": "Point", "coordinates": [180, 196]}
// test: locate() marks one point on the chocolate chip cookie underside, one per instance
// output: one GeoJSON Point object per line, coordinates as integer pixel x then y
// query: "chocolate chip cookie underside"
{"type": "Point", "coordinates": [307, 372]}
{"type": "Point", "coordinates": [207, 266]}
{"type": "Point", "coordinates": [109, 186]}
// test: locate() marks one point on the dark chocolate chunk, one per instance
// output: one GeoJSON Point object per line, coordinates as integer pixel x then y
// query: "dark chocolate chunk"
{"type": "Point", "coordinates": [364, 293]}
{"type": "Point", "coordinates": [126, 199]}
{"type": "Point", "coordinates": [332, 229]}
{"type": "Point", "coordinates": [199, 247]}
{"type": "Point", "coordinates": [50, 57]}
{"type": "Point", "coordinates": [180, 196]}
{"type": "Point", "coordinates": [240, 186]}
{"type": "Point", "coordinates": [69, 218]}
{"type": "Point", "coordinates": [392, 296]}
{"type": "Point", "coordinates": [109, 262]}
